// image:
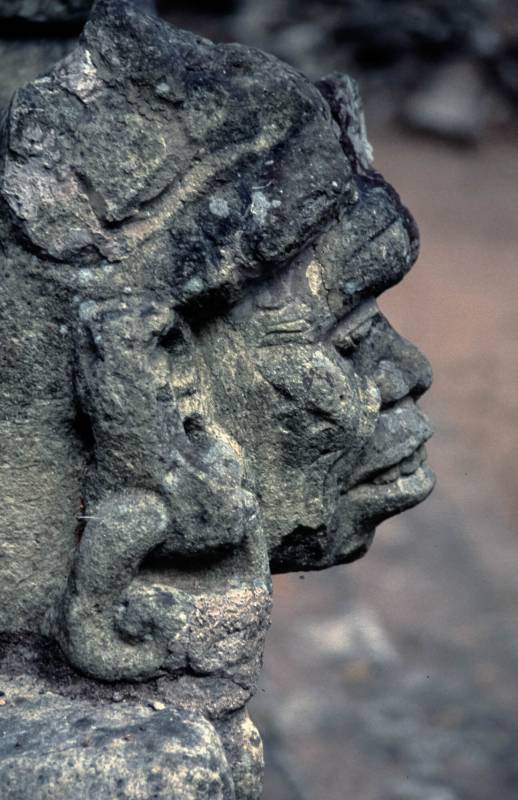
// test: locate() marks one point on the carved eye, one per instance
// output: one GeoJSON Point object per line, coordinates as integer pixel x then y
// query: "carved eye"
{"type": "Point", "coordinates": [354, 328]}
{"type": "Point", "coordinates": [346, 343]}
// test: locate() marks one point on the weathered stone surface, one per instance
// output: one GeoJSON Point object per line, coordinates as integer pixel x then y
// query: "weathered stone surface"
{"type": "Point", "coordinates": [51, 745]}
{"type": "Point", "coordinates": [197, 389]}
{"type": "Point", "coordinates": [67, 11]}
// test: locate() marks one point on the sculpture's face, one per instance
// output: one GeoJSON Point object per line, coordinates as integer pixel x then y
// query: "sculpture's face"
{"type": "Point", "coordinates": [195, 367]}
{"type": "Point", "coordinates": [270, 429]}
{"type": "Point", "coordinates": [322, 391]}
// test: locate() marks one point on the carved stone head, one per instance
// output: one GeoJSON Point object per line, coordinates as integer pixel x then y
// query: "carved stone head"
{"type": "Point", "coordinates": [198, 388]}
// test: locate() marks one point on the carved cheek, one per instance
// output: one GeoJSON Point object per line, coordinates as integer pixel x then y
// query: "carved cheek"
{"type": "Point", "coordinates": [322, 404]}
{"type": "Point", "coordinates": [342, 398]}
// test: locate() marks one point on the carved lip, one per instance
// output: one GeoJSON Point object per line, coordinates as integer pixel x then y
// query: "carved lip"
{"type": "Point", "coordinates": [405, 479]}
{"type": "Point", "coordinates": [399, 445]}
{"type": "Point", "coordinates": [403, 468]}
{"type": "Point", "coordinates": [383, 500]}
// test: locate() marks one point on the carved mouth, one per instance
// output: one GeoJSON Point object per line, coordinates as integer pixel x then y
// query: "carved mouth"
{"type": "Point", "coordinates": [407, 466]}
{"type": "Point", "coordinates": [397, 449]}
{"type": "Point", "coordinates": [389, 491]}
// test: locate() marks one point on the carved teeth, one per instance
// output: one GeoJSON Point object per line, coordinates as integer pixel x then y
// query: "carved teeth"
{"type": "Point", "coordinates": [405, 467]}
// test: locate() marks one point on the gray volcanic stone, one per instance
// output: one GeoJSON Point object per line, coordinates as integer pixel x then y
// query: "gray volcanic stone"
{"type": "Point", "coordinates": [197, 389]}
{"type": "Point", "coordinates": [54, 747]}
{"type": "Point", "coordinates": [45, 10]}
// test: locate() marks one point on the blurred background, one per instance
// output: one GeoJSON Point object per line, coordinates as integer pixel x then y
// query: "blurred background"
{"type": "Point", "coordinates": [396, 678]}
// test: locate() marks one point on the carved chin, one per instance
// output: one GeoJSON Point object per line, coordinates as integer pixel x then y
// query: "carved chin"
{"type": "Point", "coordinates": [319, 548]}
{"type": "Point", "coordinates": [378, 500]}
{"type": "Point", "coordinates": [369, 504]}
{"type": "Point", "coordinates": [350, 532]}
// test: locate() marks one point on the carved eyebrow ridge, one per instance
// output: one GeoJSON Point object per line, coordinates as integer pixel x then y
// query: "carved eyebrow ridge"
{"type": "Point", "coordinates": [371, 239]}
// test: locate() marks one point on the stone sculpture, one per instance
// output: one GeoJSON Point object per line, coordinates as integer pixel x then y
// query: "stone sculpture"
{"type": "Point", "coordinates": [197, 390]}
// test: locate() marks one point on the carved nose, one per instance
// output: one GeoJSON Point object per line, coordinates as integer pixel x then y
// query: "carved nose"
{"type": "Point", "coordinates": [403, 370]}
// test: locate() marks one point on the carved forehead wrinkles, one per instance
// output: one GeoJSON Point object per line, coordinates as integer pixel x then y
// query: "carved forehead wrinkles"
{"type": "Point", "coordinates": [369, 250]}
